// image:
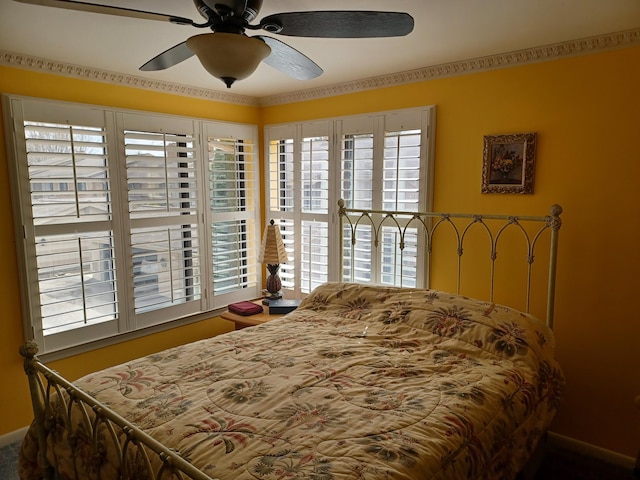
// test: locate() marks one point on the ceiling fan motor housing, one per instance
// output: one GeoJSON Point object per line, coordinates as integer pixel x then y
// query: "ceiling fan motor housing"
{"type": "Point", "coordinates": [247, 9]}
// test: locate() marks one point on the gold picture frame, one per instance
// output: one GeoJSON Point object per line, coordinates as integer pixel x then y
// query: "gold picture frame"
{"type": "Point", "coordinates": [508, 163]}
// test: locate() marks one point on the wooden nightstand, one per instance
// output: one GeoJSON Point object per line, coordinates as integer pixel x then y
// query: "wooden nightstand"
{"type": "Point", "coordinates": [250, 320]}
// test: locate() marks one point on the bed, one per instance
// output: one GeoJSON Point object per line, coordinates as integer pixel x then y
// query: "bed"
{"type": "Point", "coordinates": [360, 382]}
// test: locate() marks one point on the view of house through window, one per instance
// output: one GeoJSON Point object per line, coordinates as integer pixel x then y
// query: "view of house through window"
{"type": "Point", "coordinates": [162, 204]}
{"type": "Point", "coordinates": [130, 219]}
{"type": "Point", "coordinates": [70, 194]}
{"type": "Point", "coordinates": [378, 162]}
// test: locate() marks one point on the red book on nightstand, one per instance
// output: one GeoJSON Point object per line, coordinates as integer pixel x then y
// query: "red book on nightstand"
{"type": "Point", "coordinates": [244, 308]}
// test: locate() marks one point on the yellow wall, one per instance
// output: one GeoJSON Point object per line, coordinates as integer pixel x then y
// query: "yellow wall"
{"type": "Point", "coordinates": [15, 407]}
{"type": "Point", "coordinates": [586, 112]}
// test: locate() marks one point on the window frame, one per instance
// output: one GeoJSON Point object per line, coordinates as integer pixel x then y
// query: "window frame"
{"type": "Point", "coordinates": [128, 324]}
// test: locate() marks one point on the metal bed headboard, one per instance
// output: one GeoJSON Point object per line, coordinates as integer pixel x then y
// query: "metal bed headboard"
{"type": "Point", "coordinates": [430, 222]}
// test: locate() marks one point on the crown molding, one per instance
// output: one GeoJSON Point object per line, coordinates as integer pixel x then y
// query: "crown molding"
{"type": "Point", "coordinates": [531, 55]}
{"type": "Point", "coordinates": [86, 73]}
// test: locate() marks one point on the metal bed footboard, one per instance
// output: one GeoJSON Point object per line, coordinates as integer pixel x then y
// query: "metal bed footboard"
{"type": "Point", "coordinates": [431, 222]}
{"type": "Point", "coordinates": [127, 439]}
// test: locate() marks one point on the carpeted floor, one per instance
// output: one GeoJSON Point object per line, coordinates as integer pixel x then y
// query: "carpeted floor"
{"type": "Point", "coordinates": [557, 465]}
{"type": "Point", "coordinates": [561, 464]}
{"type": "Point", "coordinates": [9, 461]}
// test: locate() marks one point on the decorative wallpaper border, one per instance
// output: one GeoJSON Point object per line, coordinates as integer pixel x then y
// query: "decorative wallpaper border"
{"type": "Point", "coordinates": [520, 57]}
{"type": "Point", "coordinates": [531, 55]}
{"type": "Point", "coordinates": [87, 73]}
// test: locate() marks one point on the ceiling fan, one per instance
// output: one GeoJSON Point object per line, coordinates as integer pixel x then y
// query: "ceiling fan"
{"type": "Point", "coordinates": [229, 54]}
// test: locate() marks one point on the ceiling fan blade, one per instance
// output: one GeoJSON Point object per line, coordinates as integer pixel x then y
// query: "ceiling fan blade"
{"type": "Point", "coordinates": [174, 55]}
{"type": "Point", "coordinates": [290, 61]}
{"type": "Point", "coordinates": [339, 24]}
{"type": "Point", "coordinates": [106, 9]}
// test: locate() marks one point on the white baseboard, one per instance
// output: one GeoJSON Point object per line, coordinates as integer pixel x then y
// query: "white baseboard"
{"type": "Point", "coordinates": [11, 437]}
{"type": "Point", "coordinates": [609, 456]}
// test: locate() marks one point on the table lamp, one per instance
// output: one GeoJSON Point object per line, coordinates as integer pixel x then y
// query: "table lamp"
{"type": "Point", "coordinates": [273, 253]}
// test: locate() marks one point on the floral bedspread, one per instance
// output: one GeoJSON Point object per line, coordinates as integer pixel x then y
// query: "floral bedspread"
{"type": "Point", "coordinates": [359, 382]}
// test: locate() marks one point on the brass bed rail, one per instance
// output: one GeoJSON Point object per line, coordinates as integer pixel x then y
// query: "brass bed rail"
{"type": "Point", "coordinates": [430, 222]}
{"type": "Point", "coordinates": [125, 436]}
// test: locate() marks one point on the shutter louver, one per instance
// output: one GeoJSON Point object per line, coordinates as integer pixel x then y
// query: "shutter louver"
{"type": "Point", "coordinates": [71, 208]}
{"type": "Point", "coordinates": [400, 191]}
{"type": "Point", "coordinates": [233, 260]}
{"type": "Point", "coordinates": [398, 267]}
{"type": "Point", "coordinates": [314, 168]}
{"type": "Point", "coordinates": [401, 173]}
{"type": "Point", "coordinates": [232, 179]}
{"type": "Point", "coordinates": [357, 171]}
{"type": "Point", "coordinates": [165, 266]}
{"type": "Point", "coordinates": [162, 194]}
{"type": "Point", "coordinates": [314, 254]}
{"type": "Point", "coordinates": [281, 184]}
{"type": "Point", "coordinates": [357, 258]}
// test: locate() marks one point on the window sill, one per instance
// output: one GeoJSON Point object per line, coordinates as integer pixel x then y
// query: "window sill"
{"type": "Point", "coordinates": [125, 337]}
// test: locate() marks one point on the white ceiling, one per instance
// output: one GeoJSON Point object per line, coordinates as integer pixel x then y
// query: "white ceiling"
{"type": "Point", "coordinates": [445, 31]}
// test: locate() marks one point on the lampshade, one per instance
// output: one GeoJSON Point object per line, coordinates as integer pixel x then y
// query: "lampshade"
{"type": "Point", "coordinates": [229, 56]}
{"type": "Point", "coordinates": [272, 251]}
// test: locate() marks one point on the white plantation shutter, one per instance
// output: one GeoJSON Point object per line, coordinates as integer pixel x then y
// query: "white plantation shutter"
{"type": "Point", "coordinates": [314, 219]}
{"type": "Point", "coordinates": [66, 203]}
{"type": "Point", "coordinates": [401, 171]}
{"type": "Point", "coordinates": [357, 142]}
{"type": "Point", "coordinates": [232, 174]}
{"type": "Point", "coordinates": [127, 220]}
{"type": "Point", "coordinates": [290, 231]}
{"type": "Point", "coordinates": [358, 139]}
{"type": "Point", "coordinates": [384, 167]}
{"type": "Point", "coordinates": [379, 162]}
{"type": "Point", "coordinates": [164, 238]}
{"type": "Point", "coordinates": [357, 263]}
{"type": "Point", "coordinates": [71, 207]}
{"type": "Point", "coordinates": [314, 255]}
{"type": "Point", "coordinates": [314, 166]}
{"type": "Point", "coordinates": [298, 189]}
{"type": "Point", "coordinates": [233, 209]}
{"type": "Point", "coordinates": [68, 173]}
{"type": "Point", "coordinates": [76, 275]}
{"type": "Point", "coordinates": [399, 266]}
{"type": "Point", "coordinates": [233, 260]}
{"type": "Point", "coordinates": [165, 266]}
{"type": "Point", "coordinates": [280, 179]}
{"type": "Point", "coordinates": [282, 194]}
{"type": "Point", "coordinates": [357, 170]}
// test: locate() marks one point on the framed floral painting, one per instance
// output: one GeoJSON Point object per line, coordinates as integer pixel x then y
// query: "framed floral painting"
{"type": "Point", "coordinates": [508, 163]}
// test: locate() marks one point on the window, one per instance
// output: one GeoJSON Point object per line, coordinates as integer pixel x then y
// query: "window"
{"type": "Point", "coordinates": [377, 162]}
{"type": "Point", "coordinates": [129, 219]}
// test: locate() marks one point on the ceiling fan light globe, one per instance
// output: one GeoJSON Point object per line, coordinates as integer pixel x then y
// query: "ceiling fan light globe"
{"type": "Point", "coordinates": [229, 56]}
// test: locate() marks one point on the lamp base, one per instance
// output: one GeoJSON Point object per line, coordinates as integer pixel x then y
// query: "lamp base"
{"type": "Point", "coordinates": [274, 284]}
{"type": "Point", "coordinates": [268, 296]}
